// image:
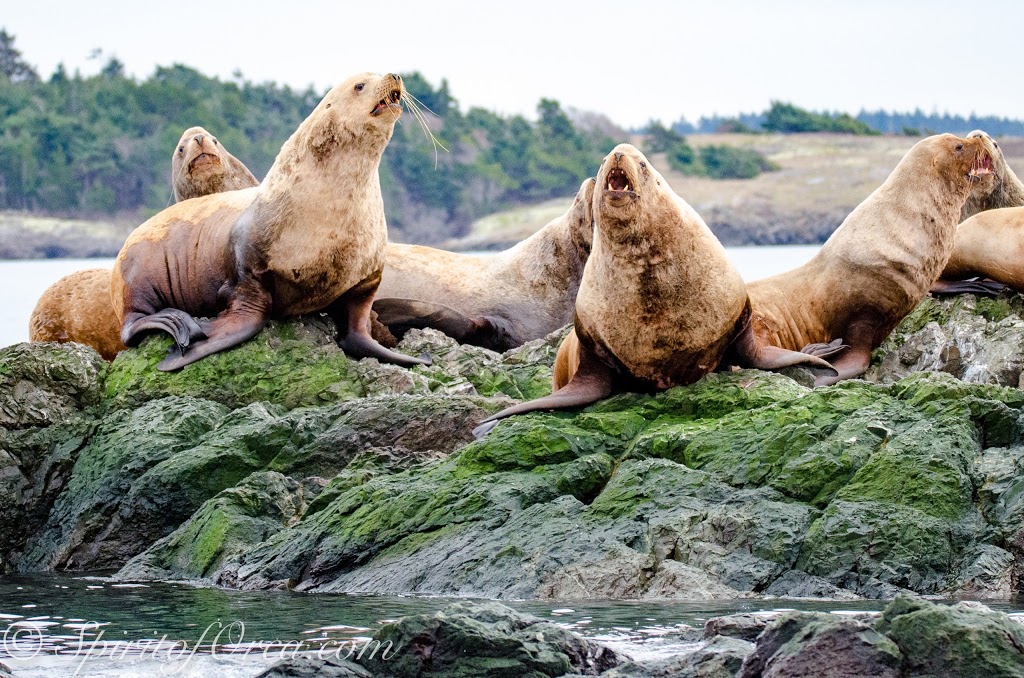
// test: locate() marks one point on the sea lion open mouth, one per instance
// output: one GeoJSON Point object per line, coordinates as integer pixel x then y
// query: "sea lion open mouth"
{"type": "Point", "coordinates": [617, 183]}
{"type": "Point", "coordinates": [391, 100]}
{"type": "Point", "coordinates": [981, 166]}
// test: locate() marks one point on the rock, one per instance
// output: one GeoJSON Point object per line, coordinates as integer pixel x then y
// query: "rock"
{"type": "Point", "coordinates": [976, 339]}
{"type": "Point", "coordinates": [719, 657]}
{"type": "Point", "coordinates": [743, 626]}
{"type": "Point", "coordinates": [966, 639]}
{"type": "Point", "coordinates": [815, 645]}
{"type": "Point", "coordinates": [49, 394]}
{"type": "Point", "coordinates": [315, 667]}
{"type": "Point", "coordinates": [484, 639]}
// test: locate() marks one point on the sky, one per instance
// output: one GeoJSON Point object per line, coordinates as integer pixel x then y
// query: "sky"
{"type": "Point", "coordinates": [631, 60]}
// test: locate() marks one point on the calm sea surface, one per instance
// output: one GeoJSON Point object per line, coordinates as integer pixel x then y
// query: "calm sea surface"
{"type": "Point", "coordinates": [23, 281]}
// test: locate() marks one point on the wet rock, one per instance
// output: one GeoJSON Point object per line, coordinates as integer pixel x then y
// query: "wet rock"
{"type": "Point", "coordinates": [743, 626]}
{"type": "Point", "coordinates": [315, 667]}
{"type": "Point", "coordinates": [484, 639]}
{"type": "Point", "coordinates": [718, 657]}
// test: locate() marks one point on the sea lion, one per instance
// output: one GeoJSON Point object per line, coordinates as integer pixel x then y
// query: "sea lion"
{"type": "Point", "coordinates": [979, 252]}
{"type": "Point", "coordinates": [201, 166]}
{"type": "Point", "coordinates": [78, 307]}
{"type": "Point", "coordinates": [497, 301]}
{"type": "Point", "coordinates": [878, 264]}
{"type": "Point", "coordinates": [311, 237]}
{"type": "Point", "coordinates": [659, 303]}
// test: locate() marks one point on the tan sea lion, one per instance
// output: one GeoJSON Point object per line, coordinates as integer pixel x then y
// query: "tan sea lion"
{"type": "Point", "coordinates": [878, 264]}
{"type": "Point", "coordinates": [659, 303]}
{"type": "Point", "coordinates": [311, 237]}
{"type": "Point", "coordinates": [201, 166]}
{"type": "Point", "coordinates": [979, 252]}
{"type": "Point", "coordinates": [497, 301]}
{"type": "Point", "coordinates": [77, 308]}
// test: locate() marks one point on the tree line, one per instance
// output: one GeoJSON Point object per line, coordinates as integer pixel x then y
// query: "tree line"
{"type": "Point", "coordinates": [101, 145]}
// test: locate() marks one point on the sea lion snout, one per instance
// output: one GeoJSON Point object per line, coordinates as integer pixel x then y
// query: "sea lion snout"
{"type": "Point", "coordinates": [388, 95]}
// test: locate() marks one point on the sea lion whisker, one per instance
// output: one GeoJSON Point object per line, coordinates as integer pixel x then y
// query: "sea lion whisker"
{"type": "Point", "coordinates": [422, 119]}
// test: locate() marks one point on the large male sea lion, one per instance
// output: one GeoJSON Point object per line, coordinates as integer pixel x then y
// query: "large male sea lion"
{"type": "Point", "coordinates": [201, 166]}
{"type": "Point", "coordinates": [659, 303]}
{"type": "Point", "coordinates": [498, 301]}
{"type": "Point", "coordinates": [311, 237]}
{"type": "Point", "coordinates": [78, 307]}
{"type": "Point", "coordinates": [878, 264]}
{"type": "Point", "coordinates": [987, 246]}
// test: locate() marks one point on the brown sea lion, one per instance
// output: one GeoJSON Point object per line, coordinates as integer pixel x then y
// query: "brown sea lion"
{"type": "Point", "coordinates": [878, 264]}
{"type": "Point", "coordinates": [977, 252]}
{"type": "Point", "coordinates": [311, 237]}
{"type": "Point", "coordinates": [78, 307]}
{"type": "Point", "coordinates": [201, 166]}
{"type": "Point", "coordinates": [498, 301]}
{"type": "Point", "coordinates": [659, 303]}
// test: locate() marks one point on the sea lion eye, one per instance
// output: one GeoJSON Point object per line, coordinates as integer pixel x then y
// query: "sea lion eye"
{"type": "Point", "coordinates": [216, 142]}
{"type": "Point", "coordinates": [643, 165]}
{"type": "Point", "coordinates": [959, 147]}
{"type": "Point", "coordinates": [181, 149]}
{"type": "Point", "coordinates": [360, 86]}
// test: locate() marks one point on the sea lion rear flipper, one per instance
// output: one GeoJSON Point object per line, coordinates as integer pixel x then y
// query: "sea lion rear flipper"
{"type": "Point", "coordinates": [971, 286]}
{"type": "Point", "coordinates": [402, 315]}
{"type": "Point", "coordinates": [828, 350]}
{"type": "Point", "coordinates": [592, 382]}
{"type": "Point", "coordinates": [351, 313]}
{"type": "Point", "coordinates": [182, 327]}
{"type": "Point", "coordinates": [852, 363]}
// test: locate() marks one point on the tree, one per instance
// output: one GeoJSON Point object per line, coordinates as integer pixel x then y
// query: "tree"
{"type": "Point", "coordinates": [12, 66]}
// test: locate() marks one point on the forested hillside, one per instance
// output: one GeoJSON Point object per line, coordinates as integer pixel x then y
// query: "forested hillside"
{"type": "Point", "coordinates": [100, 146]}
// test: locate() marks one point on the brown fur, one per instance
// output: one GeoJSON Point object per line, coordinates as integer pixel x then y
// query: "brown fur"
{"type": "Point", "coordinates": [521, 294]}
{"type": "Point", "coordinates": [878, 264]}
{"type": "Point", "coordinates": [659, 303]}
{"type": "Point", "coordinates": [201, 166]}
{"type": "Point", "coordinates": [77, 307]}
{"type": "Point", "coordinates": [311, 237]}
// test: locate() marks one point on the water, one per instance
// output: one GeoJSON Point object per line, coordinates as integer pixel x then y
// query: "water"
{"type": "Point", "coordinates": [22, 282]}
{"type": "Point", "coordinates": [57, 622]}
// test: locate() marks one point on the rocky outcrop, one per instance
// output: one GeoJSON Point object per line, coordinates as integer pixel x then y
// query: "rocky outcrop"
{"type": "Point", "coordinates": [283, 464]}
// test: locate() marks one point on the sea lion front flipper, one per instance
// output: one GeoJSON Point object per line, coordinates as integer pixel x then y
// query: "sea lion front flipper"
{"type": "Point", "coordinates": [752, 352]}
{"type": "Point", "coordinates": [592, 382]}
{"type": "Point", "coordinates": [401, 315]}
{"type": "Point", "coordinates": [351, 313]}
{"type": "Point", "coordinates": [242, 320]}
{"type": "Point", "coordinates": [981, 286]}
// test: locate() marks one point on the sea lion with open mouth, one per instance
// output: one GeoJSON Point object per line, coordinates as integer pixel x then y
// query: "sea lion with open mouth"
{"type": "Point", "coordinates": [659, 304]}
{"type": "Point", "coordinates": [498, 301]}
{"type": "Point", "coordinates": [878, 264]}
{"type": "Point", "coordinates": [311, 237]}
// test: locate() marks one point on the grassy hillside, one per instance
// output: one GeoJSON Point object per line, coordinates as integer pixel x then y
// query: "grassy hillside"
{"type": "Point", "coordinates": [822, 177]}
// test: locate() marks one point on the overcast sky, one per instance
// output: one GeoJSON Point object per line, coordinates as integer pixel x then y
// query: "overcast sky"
{"type": "Point", "coordinates": [632, 60]}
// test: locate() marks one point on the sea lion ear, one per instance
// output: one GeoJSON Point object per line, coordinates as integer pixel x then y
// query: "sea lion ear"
{"type": "Point", "coordinates": [323, 135]}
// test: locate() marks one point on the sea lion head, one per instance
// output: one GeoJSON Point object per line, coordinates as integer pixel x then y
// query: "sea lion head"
{"type": "Point", "coordinates": [626, 182]}
{"type": "Point", "coordinates": [196, 160]}
{"type": "Point", "coordinates": [362, 110]}
{"type": "Point", "coordinates": [960, 162]}
{"type": "Point", "coordinates": [581, 216]}
{"type": "Point", "coordinates": [997, 189]}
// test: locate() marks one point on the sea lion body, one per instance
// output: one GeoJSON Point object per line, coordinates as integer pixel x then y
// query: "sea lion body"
{"type": "Point", "coordinates": [200, 165]}
{"type": "Point", "coordinates": [311, 237]}
{"type": "Point", "coordinates": [878, 264]}
{"type": "Point", "coordinates": [498, 301]}
{"type": "Point", "coordinates": [659, 304]}
{"type": "Point", "coordinates": [78, 307]}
